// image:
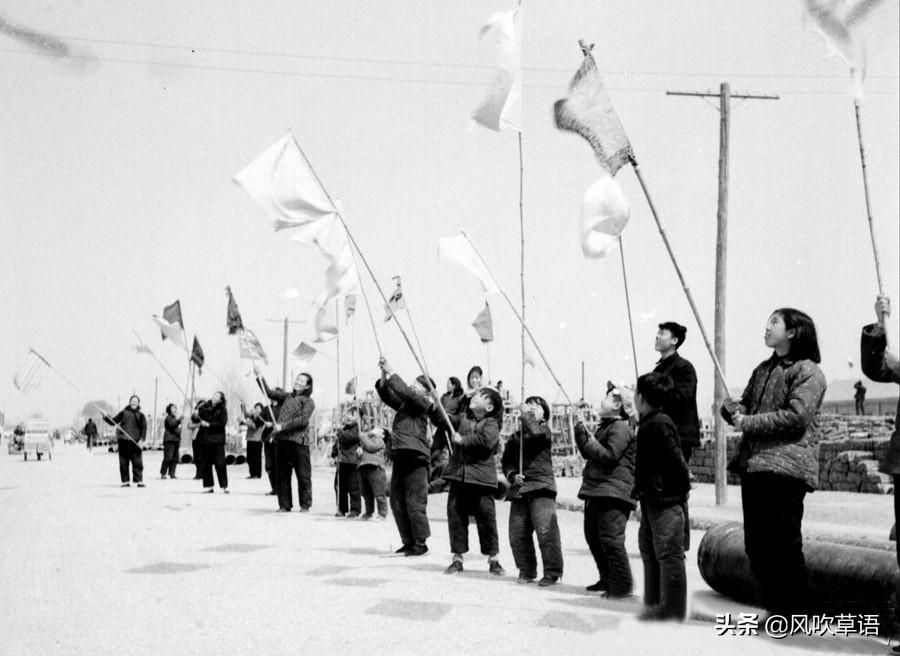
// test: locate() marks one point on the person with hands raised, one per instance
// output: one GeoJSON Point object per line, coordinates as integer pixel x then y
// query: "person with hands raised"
{"type": "Point", "coordinates": [532, 495]}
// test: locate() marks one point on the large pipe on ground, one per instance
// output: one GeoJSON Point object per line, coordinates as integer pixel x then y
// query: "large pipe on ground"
{"type": "Point", "coordinates": [186, 458]}
{"type": "Point", "coordinates": [229, 458]}
{"type": "Point", "coordinates": [240, 459]}
{"type": "Point", "coordinates": [842, 578]}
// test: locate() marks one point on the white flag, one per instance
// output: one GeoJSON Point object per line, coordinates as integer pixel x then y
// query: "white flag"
{"type": "Point", "coordinates": [501, 109]}
{"type": "Point", "coordinates": [459, 249]}
{"type": "Point", "coordinates": [604, 214]}
{"type": "Point", "coordinates": [171, 331]}
{"type": "Point", "coordinates": [282, 183]}
{"type": "Point", "coordinates": [326, 329]}
{"type": "Point", "coordinates": [304, 352]}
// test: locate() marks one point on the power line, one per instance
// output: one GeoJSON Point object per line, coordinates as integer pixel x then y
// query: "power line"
{"type": "Point", "coordinates": [341, 76]}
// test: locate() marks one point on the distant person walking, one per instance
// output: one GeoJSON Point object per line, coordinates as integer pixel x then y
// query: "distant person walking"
{"type": "Point", "coordinates": [90, 433]}
{"type": "Point", "coordinates": [860, 397]}
{"type": "Point", "coordinates": [777, 457]}
{"type": "Point", "coordinates": [212, 416]}
{"type": "Point", "coordinates": [171, 441]}
{"type": "Point", "coordinates": [882, 366]}
{"type": "Point", "coordinates": [256, 425]}
{"type": "Point", "coordinates": [131, 430]}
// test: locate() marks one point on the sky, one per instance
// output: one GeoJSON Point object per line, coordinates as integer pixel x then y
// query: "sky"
{"type": "Point", "coordinates": [116, 193]}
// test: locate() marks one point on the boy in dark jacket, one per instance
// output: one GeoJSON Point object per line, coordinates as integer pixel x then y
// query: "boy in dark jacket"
{"type": "Point", "coordinates": [661, 484]}
{"type": "Point", "coordinates": [472, 473]}
{"type": "Point", "coordinates": [347, 441]}
{"type": "Point", "coordinates": [608, 479]}
{"type": "Point", "coordinates": [410, 451]}
{"type": "Point", "coordinates": [533, 495]}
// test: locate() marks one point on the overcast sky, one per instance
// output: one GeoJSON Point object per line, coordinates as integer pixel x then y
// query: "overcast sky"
{"type": "Point", "coordinates": [116, 193]}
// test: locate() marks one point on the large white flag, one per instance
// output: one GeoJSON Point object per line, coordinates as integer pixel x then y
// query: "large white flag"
{"type": "Point", "coordinates": [282, 183]}
{"type": "Point", "coordinates": [171, 331]}
{"type": "Point", "coordinates": [329, 237]}
{"type": "Point", "coordinates": [501, 108]}
{"type": "Point", "coordinates": [604, 213]}
{"type": "Point", "coordinates": [459, 249]}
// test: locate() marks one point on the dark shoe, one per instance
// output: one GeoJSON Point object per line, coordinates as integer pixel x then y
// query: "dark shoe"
{"type": "Point", "coordinates": [896, 649]}
{"type": "Point", "coordinates": [162, 477]}
{"type": "Point", "coordinates": [366, 516]}
{"type": "Point", "coordinates": [417, 550]}
{"type": "Point", "coordinates": [304, 508]}
{"type": "Point", "coordinates": [339, 514]}
{"type": "Point", "coordinates": [494, 567]}
{"type": "Point", "coordinates": [655, 614]}
{"type": "Point", "coordinates": [208, 490]}
{"type": "Point", "coordinates": [172, 476]}
{"type": "Point", "coordinates": [599, 586]}
{"type": "Point", "coordinates": [525, 580]}
{"type": "Point", "coordinates": [283, 509]}
{"type": "Point", "coordinates": [198, 478]}
{"type": "Point", "coordinates": [454, 567]}
{"type": "Point", "coordinates": [126, 484]}
{"type": "Point", "coordinates": [352, 515]}
{"type": "Point", "coordinates": [271, 493]}
{"type": "Point", "coordinates": [403, 549]}
{"type": "Point", "coordinates": [141, 485]}
{"type": "Point", "coordinates": [251, 477]}
{"type": "Point", "coordinates": [546, 581]}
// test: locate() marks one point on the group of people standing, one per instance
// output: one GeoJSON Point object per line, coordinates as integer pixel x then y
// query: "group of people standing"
{"type": "Point", "coordinates": [637, 456]}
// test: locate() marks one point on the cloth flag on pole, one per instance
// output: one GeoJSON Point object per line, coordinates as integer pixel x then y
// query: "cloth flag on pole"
{"type": "Point", "coordinates": [501, 108]}
{"type": "Point", "coordinates": [29, 376]}
{"type": "Point", "coordinates": [396, 302]}
{"type": "Point", "coordinates": [326, 329]}
{"type": "Point", "coordinates": [142, 348]}
{"type": "Point", "coordinates": [197, 356]}
{"type": "Point", "coordinates": [304, 352]}
{"type": "Point", "coordinates": [233, 321]}
{"type": "Point", "coordinates": [281, 181]}
{"type": "Point", "coordinates": [483, 325]}
{"type": "Point", "coordinates": [588, 111]}
{"type": "Point", "coordinates": [350, 387]}
{"type": "Point", "coordinates": [459, 249]}
{"type": "Point", "coordinates": [349, 307]}
{"type": "Point", "coordinates": [528, 359]}
{"type": "Point", "coordinates": [838, 22]}
{"type": "Point", "coordinates": [604, 214]}
{"type": "Point", "coordinates": [251, 349]}
{"type": "Point", "coordinates": [171, 324]}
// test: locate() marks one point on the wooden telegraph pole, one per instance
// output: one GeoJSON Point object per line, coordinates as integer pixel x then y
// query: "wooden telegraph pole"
{"type": "Point", "coordinates": [720, 393]}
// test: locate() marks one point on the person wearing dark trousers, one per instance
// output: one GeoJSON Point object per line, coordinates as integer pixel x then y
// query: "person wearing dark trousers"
{"type": "Point", "coordinates": [131, 430]}
{"type": "Point", "coordinates": [171, 441]}
{"type": "Point", "coordinates": [859, 397]}
{"type": "Point", "coordinates": [410, 456]}
{"type": "Point", "coordinates": [373, 481]}
{"type": "Point", "coordinates": [255, 424]}
{"type": "Point", "coordinates": [348, 488]}
{"type": "Point", "coordinates": [90, 433]}
{"type": "Point", "coordinates": [532, 495]}
{"type": "Point", "coordinates": [884, 367]}
{"type": "Point", "coordinates": [681, 406]}
{"type": "Point", "coordinates": [472, 473]}
{"type": "Point", "coordinates": [777, 458]}
{"type": "Point", "coordinates": [270, 414]}
{"type": "Point", "coordinates": [607, 482]}
{"type": "Point", "coordinates": [291, 436]}
{"type": "Point", "coordinates": [661, 484]}
{"type": "Point", "coordinates": [211, 417]}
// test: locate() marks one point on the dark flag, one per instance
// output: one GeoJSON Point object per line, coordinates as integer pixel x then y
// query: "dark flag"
{"type": "Point", "coordinates": [197, 356]}
{"type": "Point", "coordinates": [233, 320]}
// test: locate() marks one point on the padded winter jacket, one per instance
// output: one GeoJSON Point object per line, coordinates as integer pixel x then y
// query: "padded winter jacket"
{"type": "Point", "coordinates": [217, 417]}
{"type": "Point", "coordinates": [609, 460]}
{"type": "Point", "coordinates": [409, 432]}
{"type": "Point", "coordinates": [536, 459]}
{"type": "Point", "coordinates": [347, 440]}
{"type": "Point", "coordinates": [133, 422]}
{"type": "Point", "coordinates": [681, 406]}
{"type": "Point", "coordinates": [660, 473]}
{"type": "Point", "coordinates": [472, 462]}
{"type": "Point", "coordinates": [872, 345]}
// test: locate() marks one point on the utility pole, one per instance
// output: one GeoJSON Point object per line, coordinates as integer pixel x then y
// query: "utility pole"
{"type": "Point", "coordinates": [720, 393]}
{"type": "Point", "coordinates": [284, 358]}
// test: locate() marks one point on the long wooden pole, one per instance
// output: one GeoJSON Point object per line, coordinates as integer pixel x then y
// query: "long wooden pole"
{"type": "Point", "coordinates": [720, 392]}
{"type": "Point", "coordinates": [628, 310]}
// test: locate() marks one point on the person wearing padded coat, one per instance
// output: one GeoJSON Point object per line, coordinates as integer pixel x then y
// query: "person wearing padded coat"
{"type": "Point", "coordinates": [661, 485]}
{"type": "Point", "coordinates": [211, 416]}
{"type": "Point", "coordinates": [347, 483]}
{"type": "Point", "coordinates": [131, 429]}
{"type": "Point", "coordinates": [607, 482]}
{"type": "Point", "coordinates": [256, 425]}
{"type": "Point", "coordinates": [291, 437]}
{"type": "Point", "coordinates": [410, 453]}
{"type": "Point", "coordinates": [472, 473]}
{"type": "Point", "coordinates": [371, 473]}
{"type": "Point", "coordinates": [171, 442]}
{"type": "Point", "coordinates": [883, 367]}
{"type": "Point", "coordinates": [778, 457]}
{"type": "Point", "coordinates": [532, 495]}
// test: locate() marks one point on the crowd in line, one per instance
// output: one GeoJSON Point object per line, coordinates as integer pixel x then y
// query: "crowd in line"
{"type": "Point", "coordinates": [636, 456]}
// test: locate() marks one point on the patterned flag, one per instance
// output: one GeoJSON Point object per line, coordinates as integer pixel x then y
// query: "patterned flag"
{"type": "Point", "coordinates": [459, 249]}
{"type": "Point", "coordinates": [838, 22]}
{"type": "Point", "coordinates": [281, 181]}
{"type": "Point", "coordinates": [29, 376]}
{"type": "Point", "coordinates": [501, 108]}
{"type": "Point", "coordinates": [304, 352]}
{"type": "Point", "coordinates": [588, 111]}
{"type": "Point", "coordinates": [233, 320]}
{"type": "Point", "coordinates": [349, 307]}
{"type": "Point", "coordinates": [251, 349]}
{"type": "Point", "coordinates": [197, 356]}
{"type": "Point", "coordinates": [604, 214]}
{"type": "Point", "coordinates": [396, 302]}
{"type": "Point", "coordinates": [483, 325]}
